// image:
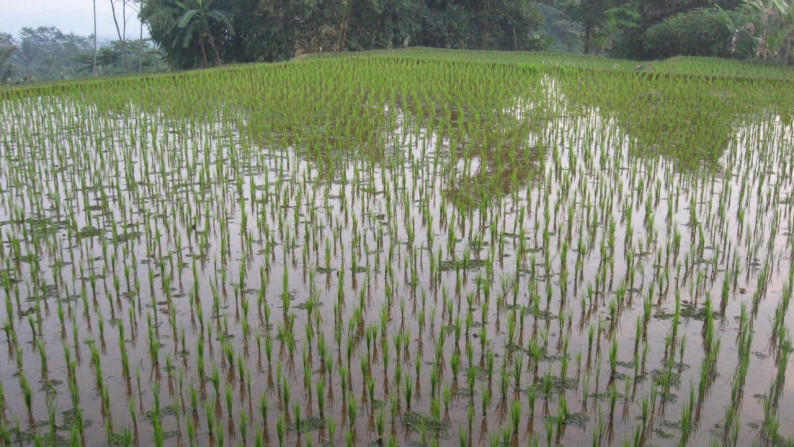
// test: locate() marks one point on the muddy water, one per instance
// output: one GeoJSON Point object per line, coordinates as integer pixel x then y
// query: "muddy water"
{"type": "Point", "coordinates": [238, 276]}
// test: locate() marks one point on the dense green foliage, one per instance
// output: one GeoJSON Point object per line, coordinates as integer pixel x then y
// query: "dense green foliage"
{"type": "Point", "coordinates": [267, 30]}
{"type": "Point", "coordinates": [700, 32]}
{"type": "Point", "coordinates": [6, 69]}
{"type": "Point", "coordinates": [241, 30]}
{"type": "Point", "coordinates": [110, 58]}
{"type": "Point", "coordinates": [47, 54]}
{"type": "Point", "coordinates": [727, 28]}
{"type": "Point", "coordinates": [202, 33]}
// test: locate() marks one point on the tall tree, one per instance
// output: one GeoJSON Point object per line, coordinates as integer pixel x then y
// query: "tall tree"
{"type": "Point", "coordinates": [93, 68]}
{"type": "Point", "coordinates": [656, 11]}
{"type": "Point", "coordinates": [6, 50]}
{"type": "Point", "coordinates": [140, 39]}
{"type": "Point", "coordinates": [121, 30]}
{"type": "Point", "coordinates": [110, 59]}
{"type": "Point", "coordinates": [592, 15]}
{"type": "Point", "coordinates": [263, 30]}
{"type": "Point", "coordinates": [503, 24]}
{"type": "Point", "coordinates": [628, 39]}
{"type": "Point", "coordinates": [266, 30]}
{"type": "Point", "coordinates": [46, 53]}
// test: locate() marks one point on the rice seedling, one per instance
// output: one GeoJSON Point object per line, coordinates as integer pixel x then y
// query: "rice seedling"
{"type": "Point", "coordinates": [444, 233]}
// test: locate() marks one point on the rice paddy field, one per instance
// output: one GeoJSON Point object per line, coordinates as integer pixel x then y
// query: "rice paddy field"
{"type": "Point", "coordinates": [413, 248]}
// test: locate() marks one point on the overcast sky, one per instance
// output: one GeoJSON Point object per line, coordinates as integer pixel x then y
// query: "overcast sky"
{"type": "Point", "coordinates": [70, 16]}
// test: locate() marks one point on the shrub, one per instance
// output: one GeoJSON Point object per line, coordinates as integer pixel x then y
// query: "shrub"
{"type": "Point", "coordinates": [701, 32]}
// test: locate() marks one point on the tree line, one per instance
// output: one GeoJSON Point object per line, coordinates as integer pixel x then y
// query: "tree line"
{"type": "Point", "coordinates": [202, 33]}
{"type": "Point", "coordinates": [196, 33]}
{"type": "Point", "coordinates": [48, 54]}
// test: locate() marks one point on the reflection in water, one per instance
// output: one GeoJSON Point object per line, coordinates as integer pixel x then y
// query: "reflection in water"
{"type": "Point", "coordinates": [690, 121]}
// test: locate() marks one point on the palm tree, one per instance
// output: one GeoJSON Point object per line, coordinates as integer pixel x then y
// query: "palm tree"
{"type": "Point", "coordinates": [197, 18]}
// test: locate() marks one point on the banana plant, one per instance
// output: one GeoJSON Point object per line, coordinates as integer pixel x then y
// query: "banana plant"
{"type": "Point", "coordinates": [196, 18]}
{"type": "Point", "coordinates": [772, 12]}
{"type": "Point", "coordinates": [785, 31]}
{"type": "Point", "coordinates": [740, 21]}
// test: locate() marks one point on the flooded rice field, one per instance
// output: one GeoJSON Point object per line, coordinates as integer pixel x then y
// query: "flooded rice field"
{"type": "Point", "coordinates": [386, 251]}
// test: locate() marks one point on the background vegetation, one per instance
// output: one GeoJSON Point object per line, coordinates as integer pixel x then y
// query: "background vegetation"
{"type": "Point", "coordinates": [203, 33]}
